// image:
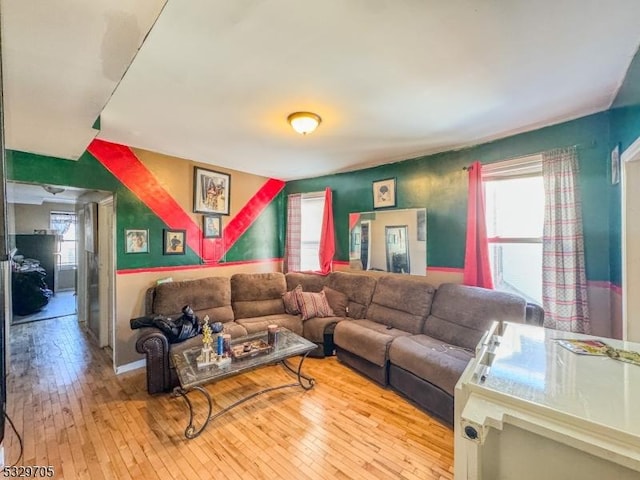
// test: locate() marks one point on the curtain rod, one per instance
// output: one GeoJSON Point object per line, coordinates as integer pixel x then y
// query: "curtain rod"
{"type": "Point", "coordinates": [591, 144]}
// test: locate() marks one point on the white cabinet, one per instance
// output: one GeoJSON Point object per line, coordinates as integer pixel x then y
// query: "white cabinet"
{"type": "Point", "coordinates": [527, 408]}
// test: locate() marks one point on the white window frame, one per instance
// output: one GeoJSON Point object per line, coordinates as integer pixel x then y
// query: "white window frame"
{"type": "Point", "coordinates": [306, 245]}
{"type": "Point", "coordinates": [61, 241]}
{"type": "Point", "coordinates": [522, 167]}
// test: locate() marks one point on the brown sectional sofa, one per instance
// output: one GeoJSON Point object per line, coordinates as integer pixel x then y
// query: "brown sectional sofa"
{"type": "Point", "coordinates": [398, 330]}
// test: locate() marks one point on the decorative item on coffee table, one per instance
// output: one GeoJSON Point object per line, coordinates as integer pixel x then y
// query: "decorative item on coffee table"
{"type": "Point", "coordinates": [250, 349]}
{"type": "Point", "coordinates": [207, 356]}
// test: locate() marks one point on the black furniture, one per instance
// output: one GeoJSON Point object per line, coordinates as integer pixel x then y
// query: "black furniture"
{"type": "Point", "coordinates": [42, 248]}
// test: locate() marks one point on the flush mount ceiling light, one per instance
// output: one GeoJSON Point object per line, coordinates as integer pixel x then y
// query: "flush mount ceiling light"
{"type": "Point", "coordinates": [304, 122]}
{"type": "Point", "coordinates": [53, 190]}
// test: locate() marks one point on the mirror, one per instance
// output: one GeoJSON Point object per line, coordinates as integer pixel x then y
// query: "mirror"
{"type": "Point", "coordinates": [389, 241]}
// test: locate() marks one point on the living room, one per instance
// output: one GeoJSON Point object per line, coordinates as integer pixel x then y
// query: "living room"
{"type": "Point", "coordinates": [155, 192]}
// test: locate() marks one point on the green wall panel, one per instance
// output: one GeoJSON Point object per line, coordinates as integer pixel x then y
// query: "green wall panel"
{"type": "Point", "coordinates": [438, 183]}
{"type": "Point", "coordinates": [263, 238]}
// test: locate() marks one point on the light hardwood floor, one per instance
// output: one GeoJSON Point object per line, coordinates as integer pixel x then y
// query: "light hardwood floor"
{"type": "Point", "coordinates": [75, 414]}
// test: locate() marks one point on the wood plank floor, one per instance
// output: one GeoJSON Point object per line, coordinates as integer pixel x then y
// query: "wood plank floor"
{"type": "Point", "coordinates": [75, 414]}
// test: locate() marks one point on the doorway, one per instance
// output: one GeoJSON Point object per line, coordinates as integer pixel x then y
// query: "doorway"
{"type": "Point", "coordinates": [106, 273]}
{"type": "Point", "coordinates": [43, 240]}
{"type": "Point", "coordinates": [630, 162]}
{"type": "Point", "coordinates": [397, 248]}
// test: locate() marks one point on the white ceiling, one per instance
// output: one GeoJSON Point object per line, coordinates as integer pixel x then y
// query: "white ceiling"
{"type": "Point", "coordinates": [31, 194]}
{"type": "Point", "coordinates": [392, 79]}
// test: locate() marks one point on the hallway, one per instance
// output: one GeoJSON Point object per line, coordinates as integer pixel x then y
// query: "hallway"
{"type": "Point", "coordinates": [60, 304]}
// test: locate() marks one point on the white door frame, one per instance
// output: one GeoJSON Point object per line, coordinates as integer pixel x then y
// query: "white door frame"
{"type": "Point", "coordinates": [631, 154]}
{"type": "Point", "coordinates": [106, 261]}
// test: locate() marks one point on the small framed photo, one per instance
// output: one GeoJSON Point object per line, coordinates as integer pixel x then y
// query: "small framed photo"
{"type": "Point", "coordinates": [211, 227]}
{"type": "Point", "coordinates": [174, 242]}
{"type": "Point", "coordinates": [384, 193]}
{"type": "Point", "coordinates": [211, 191]}
{"type": "Point", "coordinates": [615, 165]}
{"type": "Point", "coordinates": [136, 241]}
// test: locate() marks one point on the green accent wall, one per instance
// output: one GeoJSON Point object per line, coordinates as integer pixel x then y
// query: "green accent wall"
{"type": "Point", "coordinates": [438, 183]}
{"type": "Point", "coordinates": [261, 241]}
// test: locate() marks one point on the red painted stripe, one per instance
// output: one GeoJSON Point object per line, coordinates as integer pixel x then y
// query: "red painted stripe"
{"type": "Point", "coordinates": [134, 175]}
{"type": "Point", "coordinates": [606, 285]}
{"type": "Point", "coordinates": [445, 269]}
{"type": "Point", "coordinates": [248, 214]}
{"type": "Point", "coordinates": [126, 167]}
{"type": "Point", "coordinates": [177, 268]}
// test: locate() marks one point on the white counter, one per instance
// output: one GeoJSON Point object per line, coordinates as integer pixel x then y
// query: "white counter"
{"type": "Point", "coordinates": [538, 410]}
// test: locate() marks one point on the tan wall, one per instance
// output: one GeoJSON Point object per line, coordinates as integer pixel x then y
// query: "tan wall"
{"type": "Point", "coordinates": [437, 277]}
{"type": "Point", "coordinates": [35, 217]}
{"type": "Point", "coordinates": [176, 176]}
{"type": "Point", "coordinates": [631, 178]}
{"type": "Point", "coordinates": [130, 292]}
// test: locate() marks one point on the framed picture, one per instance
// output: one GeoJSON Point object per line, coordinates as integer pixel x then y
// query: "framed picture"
{"type": "Point", "coordinates": [384, 193]}
{"type": "Point", "coordinates": [615, 165]}
{"type": "Point", "coordinates": [211, 191]}
{"type": "Point", "coordinates": [136, 241]}
{"type": "Point", "coordinates": [173, 242]}
{"type": "Point", "coordinates": [211, 227]}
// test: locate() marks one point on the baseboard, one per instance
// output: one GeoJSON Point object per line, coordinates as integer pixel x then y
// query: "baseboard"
{"type": "Point", "coordinates": [131, 366]}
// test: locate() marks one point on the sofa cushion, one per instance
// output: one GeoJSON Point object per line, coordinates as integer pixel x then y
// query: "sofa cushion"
{"type": "Point", "coordinates": [260, 324]}
{"type": "Point", "coordinates": [367, 339]}
{"type": "Point", "coordinates": [257, 294]}
{"type": "Point", "coordinates": [357, 287]}
{"type": "Point", "coordinates": [314, 329]}
{"type": "Point", "coordinates": [437, 362]}
{"type": "Point", "coordinates": [401, 301]}
{"type": "Point", "coordinates": [313, 305]}
{"type": "Point", "coordinates": [461, 314]}
{"type": "Point", "coordinates": [206, 296]}
{"type": "Point", "coordinates": [338, 301]}
{"type": "Point", "coordinates": [291, 301]}
{"type": "Point", "coordinates": [311, 282]}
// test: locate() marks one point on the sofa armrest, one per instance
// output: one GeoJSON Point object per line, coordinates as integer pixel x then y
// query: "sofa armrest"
{"type": "Point", "coordinates": [155, 346]}
{"type": "Point", "coordinates": [534, 314]}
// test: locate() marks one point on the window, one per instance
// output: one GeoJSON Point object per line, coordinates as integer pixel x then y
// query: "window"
{"type": "Point", "coordinates": [514, 194]}
{"type": "Point", "coordinates": [311, 212]}
{"type": "Point", "coordinates": [65, 224]}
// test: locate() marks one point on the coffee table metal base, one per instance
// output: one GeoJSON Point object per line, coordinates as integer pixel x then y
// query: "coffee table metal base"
{"type": "Point", "coordinates": [304, 381]}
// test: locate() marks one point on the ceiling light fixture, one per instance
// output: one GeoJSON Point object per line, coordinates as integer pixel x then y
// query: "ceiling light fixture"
{"type": "Point", "coordinates": [53, 190]}
{"type": "Point", "coordinates": [304, 122]}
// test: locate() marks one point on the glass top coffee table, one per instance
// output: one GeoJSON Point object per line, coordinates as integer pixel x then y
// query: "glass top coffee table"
{"type": "Point", "coordinates": [193, 378]}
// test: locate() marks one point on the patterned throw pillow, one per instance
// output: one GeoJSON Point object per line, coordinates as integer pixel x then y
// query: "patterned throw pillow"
{"type": "Point", "coordinates": [338, 301]}
{"type": "Point", "coordinates": [291, 301]}
{"type": "Point", "coordinates": [313, 305]}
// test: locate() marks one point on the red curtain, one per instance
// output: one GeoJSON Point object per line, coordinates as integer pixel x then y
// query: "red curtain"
{"type": "Point", "coordinates": [477, 270]}
{"type": "Point", "coordinates": [327, 236]}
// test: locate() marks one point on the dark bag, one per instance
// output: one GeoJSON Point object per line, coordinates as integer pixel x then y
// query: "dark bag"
{"type": "Point", "coordinates": [176, 331]}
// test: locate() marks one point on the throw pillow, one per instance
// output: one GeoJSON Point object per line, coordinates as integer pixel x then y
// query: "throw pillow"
{"type": "Point", "coordinates": [291, 301]}
{"type": "Point", "coordinates": [313, 305]}
{"type": "Point", "coordinates": [338, 301]}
